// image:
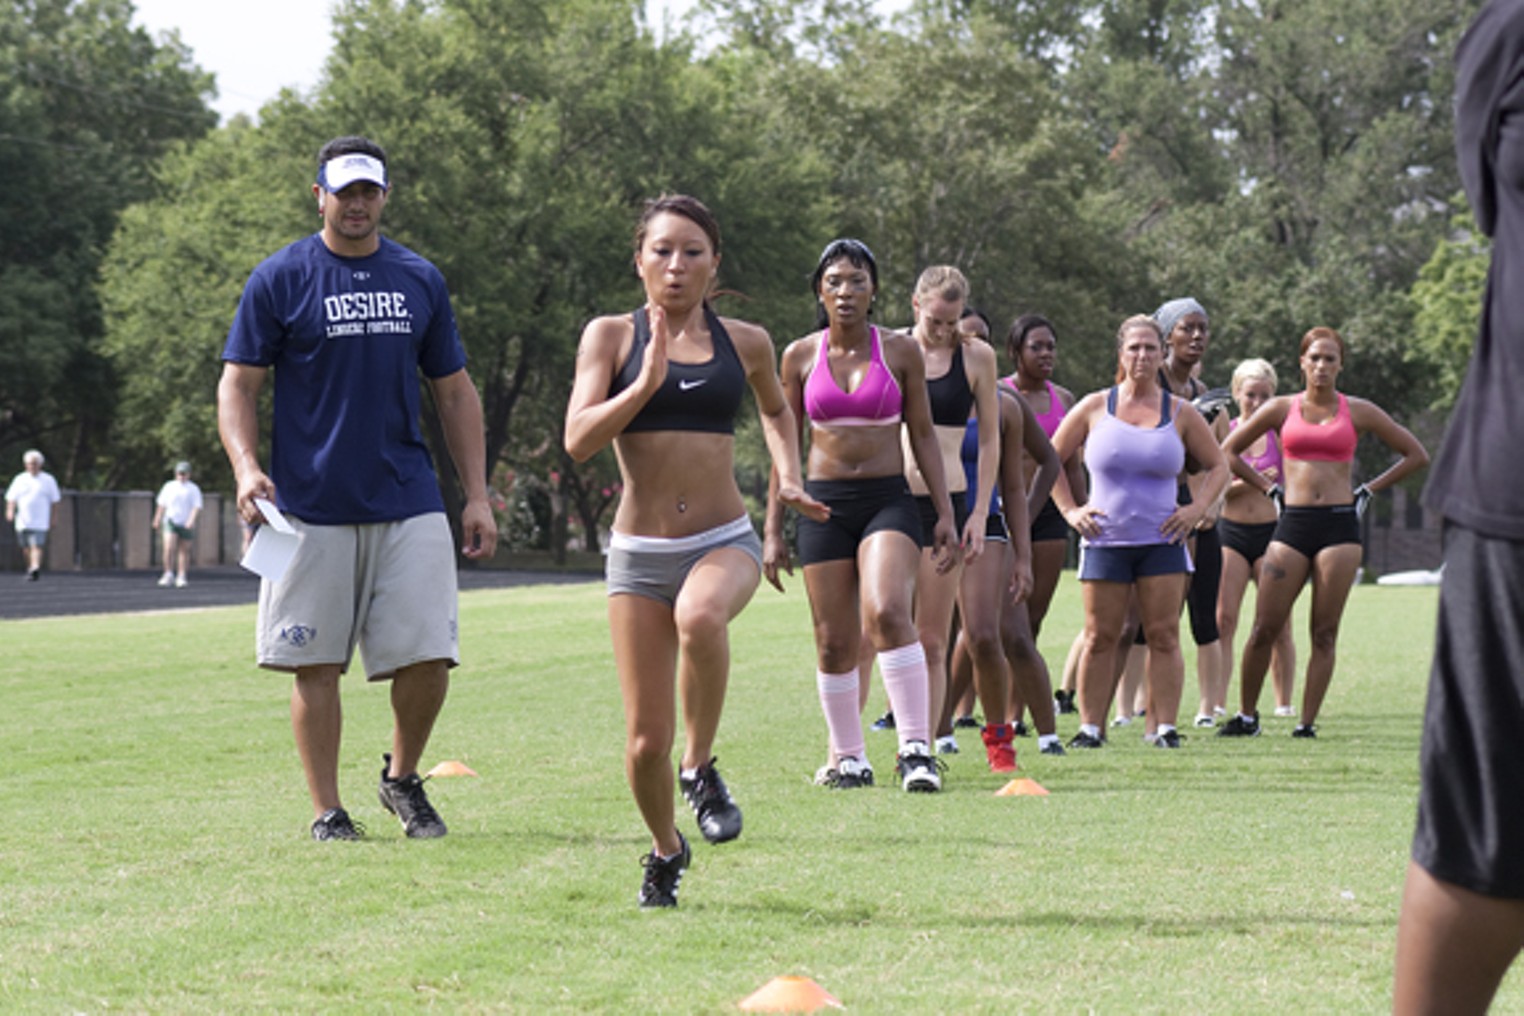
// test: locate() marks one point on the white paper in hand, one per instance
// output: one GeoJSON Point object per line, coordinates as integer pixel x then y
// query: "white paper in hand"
{"type": "Point", "coordinates": [274, 543]}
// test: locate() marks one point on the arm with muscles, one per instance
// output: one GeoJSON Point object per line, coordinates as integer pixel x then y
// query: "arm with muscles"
{"type": "Point", "coordinates": [460, 413]}
{"type": "Point", "coordinates": [1073, 499]}
{"type": "Point", "coordinates": [1268, 417]}
{"type": "Point", "coordinates": [1013, 494]}
{"type": "Point", "coordinates": [1196, 434]}
{"type": "Point", "coordinates": [238, 425]}
{"type": "Point", "coordinates": [904, 355]}
{"type": "Point", "coordinates": [979, 364]}
{"type": "Point", "coordinates": [780, 427]}
{"type": "Point", "coordinates": [791, 385]}
{"type": "Point", "coordinates": [1367, 416]}
{"type": "Point", "coordinates": [593, 419]}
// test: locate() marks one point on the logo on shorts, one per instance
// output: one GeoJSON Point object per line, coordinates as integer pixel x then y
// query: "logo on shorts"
{"type": "Point", "coordinates": [298, 635]}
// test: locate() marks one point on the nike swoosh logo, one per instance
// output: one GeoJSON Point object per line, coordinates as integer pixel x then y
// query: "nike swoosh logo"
{"type": "Point", "coordinates": [689, 383]}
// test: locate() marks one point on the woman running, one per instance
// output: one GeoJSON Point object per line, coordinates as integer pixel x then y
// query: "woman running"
{"type": "Point", "coordinates": [1318, 535]}
{"type": "Point", "coordinates": [855, 385]}
{"type": "Point", "coordinates": [663, 385]}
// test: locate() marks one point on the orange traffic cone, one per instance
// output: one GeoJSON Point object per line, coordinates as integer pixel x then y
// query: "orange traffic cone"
{"type": "Point", "coordinates": [451, 768]}
{"type": "Point", "coordinates": [789, 994]}
{"type": "Point", "coordinates": [1022, 788]}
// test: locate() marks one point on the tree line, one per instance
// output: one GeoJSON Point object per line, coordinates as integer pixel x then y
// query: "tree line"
{"type": "Point", "coordinates": [1287, 162]}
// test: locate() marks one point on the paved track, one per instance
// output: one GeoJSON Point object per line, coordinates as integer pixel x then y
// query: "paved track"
{"type": "Point", "coordinates": [112, 592]}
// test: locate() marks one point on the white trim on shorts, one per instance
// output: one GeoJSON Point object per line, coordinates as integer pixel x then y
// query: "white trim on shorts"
{"type": "Point", "coordinates": [388, 588]}
{"type": "Point", "coordinates": [681, 544]}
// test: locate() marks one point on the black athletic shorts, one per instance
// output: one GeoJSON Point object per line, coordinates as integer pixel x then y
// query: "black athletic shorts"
{"type": "Point", "coordinates": [928, 512]}
{"type": "Point", "coordinates": [859, 508]}
{"type": "Point", "coordinates": [994, 529]}
{"type": "Point", "coordinates": [1201, 596]}
{"type": "Point", "coordinates": [1308, 530]}
{"type": "Point", "coordinates": [1470, 829]}
{"type": "Point", "coordinates": [1249, 539]}
{"type": "Point", "coordinates": [1049, 524]}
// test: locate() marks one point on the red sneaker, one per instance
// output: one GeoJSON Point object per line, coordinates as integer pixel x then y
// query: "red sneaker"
{"type": "Point", "coordinates": [999, 747]}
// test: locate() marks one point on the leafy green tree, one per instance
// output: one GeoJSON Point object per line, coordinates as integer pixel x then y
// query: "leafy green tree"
{"type": "Point", "coordinates": [89, 105]}
{"type": "Point", "coordinates": [1447, 307]}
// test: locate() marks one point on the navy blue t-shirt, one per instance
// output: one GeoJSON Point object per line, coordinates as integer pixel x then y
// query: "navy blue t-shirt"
{"type": "Point", "coordinates": [345, 339]}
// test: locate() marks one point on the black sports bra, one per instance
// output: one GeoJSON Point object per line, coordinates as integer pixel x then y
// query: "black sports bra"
{"type": "Point", "coordinates": [701, 397]}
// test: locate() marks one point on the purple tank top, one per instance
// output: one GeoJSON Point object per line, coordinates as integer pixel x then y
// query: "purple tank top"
{"type": "Point", "coordinates": [1133, 473]}
{"type": "Point", "coordinates": [1268, 462]}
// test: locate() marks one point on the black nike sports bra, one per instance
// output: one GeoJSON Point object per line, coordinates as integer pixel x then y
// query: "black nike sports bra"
{"type": "Point", "coordinates": [702, 397]}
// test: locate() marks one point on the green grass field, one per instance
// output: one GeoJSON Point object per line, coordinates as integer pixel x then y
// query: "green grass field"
{"type": "Point", "coordinates": [154, 855]}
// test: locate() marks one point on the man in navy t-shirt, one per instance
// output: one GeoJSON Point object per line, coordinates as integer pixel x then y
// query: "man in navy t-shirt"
{"type": "Point", "coordinates": [346, 319]}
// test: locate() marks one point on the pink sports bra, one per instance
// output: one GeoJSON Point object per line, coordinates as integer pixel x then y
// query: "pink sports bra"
{"type": "Point", "coordinates": [1050, 420]}
{"type": "Point", "coordinates": [876, 401]}
{"type": "Point", "coordinates": [1268, 462]}
{"type": "Point", "coordinates": [1331, 441]}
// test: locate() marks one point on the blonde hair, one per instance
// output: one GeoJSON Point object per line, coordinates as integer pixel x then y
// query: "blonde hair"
{"type": "Point", "coordinates": [944, 281]}
{"type": "Point", "coordinates": [1136, 321]}
{"type": "Point", "coordinates": [1253, 370]}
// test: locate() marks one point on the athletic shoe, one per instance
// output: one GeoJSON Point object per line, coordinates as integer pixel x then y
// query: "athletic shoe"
{"type": "Point", "coordinates": [1063, 701]}
{"type": "Point", "coordinates": [180, 582]}
{"type": "Point", "coordinates": [1054, 747]}
{"type": "Point", "coordinates": [966, 722]}
{"type": "Point", "coordinates": [1240, 726]}
{"type": "Point", "coordinates": [1122, 721]}
{"type": "Point", "coordinates": [718, 817]}
{"type": "Point", "coordinates": [167, 579]}
{"type": "Point", "coordinates": [1167, 739]}
{"type": "Point", "coordinates": [1020, 730]}
{"type": "Point", "coordinates": [33, 574]}
{"type": "Point", "coordinates": [406, 799]}
{"type": "Point", "coordinates": [1204, 720]}
{"type": "Point", "coordinates": [658, 888]}
{"type": "Point", "coordinates": [335, 824]}
{"type": "Point", "coordinates": [848, 774]}
{"type": "Point", "coordinates": [1285, 710]}
{"type": "Point", "coordinates": [884, 722]}
{"type": "Point", "coordinates": [998, 749]}
{"type": "Point", "coordinates": [947, 745]}
{"type": "Point", "coordinates": [917, 770]}
{"type": "Point", "coordinates": [1084, 740]}
{"type": "Point", "coordinates": [1304, 730]}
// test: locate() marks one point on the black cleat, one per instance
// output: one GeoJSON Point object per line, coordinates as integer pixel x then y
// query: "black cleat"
{"type": "Point", "coordinates": [406, 799]}
{"type": "Point", "coordinates": [335, 824]}
{"type": "Point", "coordinates": [1240, 726]}
{"type": "Point", "coordinates": [663, 875]}
{"type": "Point", "coordinates": [718, 817]}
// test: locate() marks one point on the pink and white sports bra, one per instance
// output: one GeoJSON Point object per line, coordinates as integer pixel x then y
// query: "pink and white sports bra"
{"type": "Point", "coordinates": [876, 401]}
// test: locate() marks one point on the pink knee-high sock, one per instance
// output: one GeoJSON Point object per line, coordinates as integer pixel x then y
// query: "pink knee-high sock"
{"type": "Point", "coordinates": [909, 688]}
{"type": "Point", "coordinates": [838, 700]}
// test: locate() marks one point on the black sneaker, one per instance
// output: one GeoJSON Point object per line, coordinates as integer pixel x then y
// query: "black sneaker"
{"type": "Point", "coordinates": [884, 722]}
{"type": "Point", "coordinates": [1304, 730]}
{"type": "Point", "coordinates": [1084, 740]}
{"type": "Point", "coordinates": [966, 722]}
{"type": "Point", "coordinates": [1168, 739]}
{"type": "Point", "coordinates": [1063, 701]}
{"type": "Point", "coordinates": [1240, 726]}
{"type": "Point", "coordinates": [663, 875]}
{"type": "Point", "coordinates": [335, 824]}
{"type": "Point", "coordinates": [406, 799]}
{"type": "Point", "coordinates": [919, 772]}
{"type": "Point", "coordinates": [1054, 747]}
{"type": "Point", "coordinates": [1021, 730]}
{"type": "Point", "coordinates": [718, 817]}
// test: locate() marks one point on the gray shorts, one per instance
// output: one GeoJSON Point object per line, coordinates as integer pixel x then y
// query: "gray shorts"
{"type": "Point", "coordinates": [388, 587]}
{"type": "Point", "coordinates": [656, 566]}
{"type": "Point", "coordinates": [32, 537]}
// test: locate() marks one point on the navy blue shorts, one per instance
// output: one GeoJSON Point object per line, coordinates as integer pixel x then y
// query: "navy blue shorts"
{"type": "Point", "coordinates": [1128, 564]}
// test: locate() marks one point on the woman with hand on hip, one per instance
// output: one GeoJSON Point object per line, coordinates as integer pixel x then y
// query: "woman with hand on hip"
{"type": "Point", "coordinates": [1318, 534]}
{"type": "Point", "coordinates": [855, 385]}
{"type": "Point", "coordinates": [1136, 437]}
{"type": "Point", "coordinates": [663, 385]}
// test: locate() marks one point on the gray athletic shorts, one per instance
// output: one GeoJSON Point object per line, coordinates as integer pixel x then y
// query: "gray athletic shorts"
{"type": "Point", "coordinates": [657, 566]}
{"type": "Point", "coordinates": [388, 587]}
